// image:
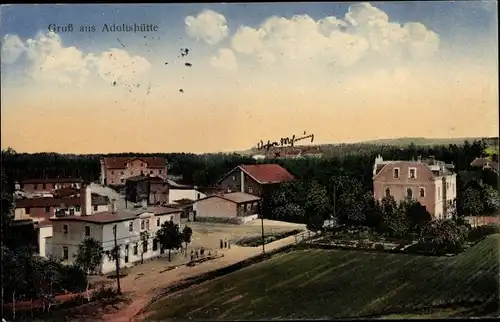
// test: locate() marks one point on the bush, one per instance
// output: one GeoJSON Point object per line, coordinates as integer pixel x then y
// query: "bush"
{"type": "Point", "coordinates": [379, 247]}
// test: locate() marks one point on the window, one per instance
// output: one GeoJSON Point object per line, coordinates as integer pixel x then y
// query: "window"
{"type": "Point", "coordinates": [44, 186]}
{"type": "Point", "coordinates": [35, 186]}
{"type": "Point", "coordinates": [147, 224]}
{"type": "Point", "coordinates": [112, 172]}
{"type": "Point", "coordinates": [65, 253]}
{"type": "Point", "coordinates": [412, 173]}
{"type": "Point", "coordinates": [122, 180]}
{"type": "Point", "coordinates": [142, 165]}
{"type": "Point", "coordinates": [87, 231]}
{"type": "Point", "coordinates": [142, 224]}
{"type": "Point", "coordinates": [150, 171]}
{"type": "Point", "coordinates": [21, 186]}
{"type": "Point", "coordinates": [160, 171]}
{"type": "Point", "coordinates": [28, 210]}
{"type": "Point", "coordinates": [95, 207]}
{"type": "Point", "coordinates": [422, 192]}
{"type": "Point", "coordinates": [250, 189]}
{"type": "Point", "coordinates": [136, 249]}
{"type": "Point", "coordinates": [47, 209]}
{"type": "Point", "coordinates": [145, 246]}
{"type": "Point", "coordinates": [158, 222]}
{"type": "Point", "coordinates": [395, 173]}
{"type": "Point", "coordinates": [198, 195]}
{"type": "Point", "coordinates": [77, 208]}
{"type": "Point", "coordinates": [131, 226]}
{"type": "Point", "coordinates": [387, 192]}
{"type": "Point", "coordinates": [122, 172]}
{"type": "Point", "coordinates": [409, 193]}
{"type": "Point", "coordinates": [72, 212]}
{"type": "Point", "coordinates": [155, 245]}
{"type": "Point", "coordinates": [65, 229]}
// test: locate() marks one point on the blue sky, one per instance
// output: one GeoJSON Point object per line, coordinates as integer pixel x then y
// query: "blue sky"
{"type": "Point", "coordinates": [332, 67]}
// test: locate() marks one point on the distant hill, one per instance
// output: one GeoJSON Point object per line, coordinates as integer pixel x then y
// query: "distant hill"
{"type": "Point", "coordinates": [419, 141]}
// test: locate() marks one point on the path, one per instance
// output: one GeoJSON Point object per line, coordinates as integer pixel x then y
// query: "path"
{"type": "Point", "coordinates": [142, 294]}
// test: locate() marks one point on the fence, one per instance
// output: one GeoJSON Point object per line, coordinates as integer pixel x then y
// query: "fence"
{"type": "Point", "coordinates": [305, 236]}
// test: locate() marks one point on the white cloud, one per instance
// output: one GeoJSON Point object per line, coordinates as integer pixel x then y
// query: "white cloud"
{"type": "Point", "coordinates": [48, 60]}
{"type": "Point", "coordinates": [365, 30]}
{"type": "Point", "coordinates": [224, 59]}
{"type": "Point", "coordinates": [12, 48]}
{"type": "Point", "coordinates": [208, 25]}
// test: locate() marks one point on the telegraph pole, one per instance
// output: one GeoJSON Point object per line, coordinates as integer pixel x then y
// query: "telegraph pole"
{"type": "Point", "coordinates": [262, 224]}
{"type": "Point", "coordinates": [116, 253]}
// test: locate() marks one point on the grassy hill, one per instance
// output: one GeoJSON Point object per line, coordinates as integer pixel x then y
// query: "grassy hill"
{"type": "Point", "coordinates": [321, 284]}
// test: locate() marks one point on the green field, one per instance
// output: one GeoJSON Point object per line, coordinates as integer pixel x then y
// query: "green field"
{"type": "Point", "coordinates": [322, 284]}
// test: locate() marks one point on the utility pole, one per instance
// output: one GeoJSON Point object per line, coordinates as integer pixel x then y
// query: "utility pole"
{"type": "Point", "coordinates": [262, 223]}
{"type": "Point", "coordinates": [116, 253]}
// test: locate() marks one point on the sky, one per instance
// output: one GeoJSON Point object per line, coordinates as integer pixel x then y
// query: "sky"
{"type": "Point", "coordinates": [345, 72]}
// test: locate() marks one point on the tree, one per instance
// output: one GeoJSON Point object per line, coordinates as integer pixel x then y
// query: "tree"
{"type": "Point", "coordinates": [7, 213]}
{"type": "Point", "coordinates": [317, 202]}
{"type": "Point", "coordinates": [144, 241]}
{"type": "Point", "coordinates": [491, 200]}
{"type": "Point", "coordinates": [472, 201]}
{"type": "Point", "coordinates": [13, 277]}
{"type": "Point", "coordinates": [289, 212]}
{"type": "Point", "coordinates": [442, 236]}
{"type": "Point", "coordinates": [46, 279]}
{"type": "Point", "coordinates": [88, 258]}
{"type": "Point", "coordinates": [416, 215]}
{"type": "Point", "coordinates": [169, 237]}
{"type": "Point", "coordinates": [394, 221]}
{"type": "Point", "coordinates": [187, 232]}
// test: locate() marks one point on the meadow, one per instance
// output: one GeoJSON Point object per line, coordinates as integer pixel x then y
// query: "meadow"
{"type": "Point", "coordinates": [328, 284]}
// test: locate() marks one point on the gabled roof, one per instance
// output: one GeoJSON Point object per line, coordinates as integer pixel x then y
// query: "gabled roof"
{"type": "Point", "coordinates": [264, 173]}
{"type": "Point", "coordinates": [121, 162]}
{"type": "Point", "coordinates": [236, 197]}
{"type": "Point", "coordinates": [52, 180]}
{"type": "Point", "coordinates": [56, 202]}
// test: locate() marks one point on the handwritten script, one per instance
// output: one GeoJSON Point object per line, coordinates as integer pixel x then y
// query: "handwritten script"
{"type": "Point", "coordinates": [286, 141]}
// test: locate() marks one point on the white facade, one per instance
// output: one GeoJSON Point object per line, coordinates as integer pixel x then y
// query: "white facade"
{"type": "Point", "coordinates": [44, 241]}
{"type": "Point", "coordinates": [68, 235]}
{"type": "Point", "coordinates": [178, 194]}
{"type": "Point", "coordinates": [445, 207]}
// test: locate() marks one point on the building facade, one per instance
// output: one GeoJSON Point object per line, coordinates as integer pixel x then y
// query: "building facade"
{"type": "Point", "coordinates": [70, 231]}
{"type": "Point", "coordinates": [116, 170]}
{"type": "Point", "coordinates": [430, 182]}
{"type": "Point", "coordinates": [252, 179]}
{"type": "Point", "coordinates": [235, 207]}
{"type": "Point", "coordinates": [48, 185]}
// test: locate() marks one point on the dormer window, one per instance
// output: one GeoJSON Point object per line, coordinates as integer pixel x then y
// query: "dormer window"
{"type": "Point", "coordinates": [412, 173]}
{"type": "Point", "coordinates": [395, 173]}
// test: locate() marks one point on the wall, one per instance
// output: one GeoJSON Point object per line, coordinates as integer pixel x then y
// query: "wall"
{"type": "Point", "coordinates": [44, 233]}
{"type": "Point", "coordinates": [233, 182]}
{"type": "Point", "coordinates": [119, 176]}
{"type": "Point", "coordinates": [38, 212]}
{"type": "Point", "coordinates": [398, 186]}
{"type": "Point", "coordinates": [215, 207]}
{"type": "Point", "coordinates": [177, 194]}
{"type": "Point", "coordinates": [75, 236]}
{"type": "Point", "coordinates": [438, 206]}
{"type": "Point", "coordinates": [125, 237]}
{"type": "Point", "coordinates": [78, 210]}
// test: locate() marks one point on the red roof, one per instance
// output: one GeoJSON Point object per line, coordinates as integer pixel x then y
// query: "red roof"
{"type": "Point", "coordinates": [56, 202]}
{"type": "Point", "coordinates": [121, 162]}
{"type": "Point", "coordinates": [267, 173]}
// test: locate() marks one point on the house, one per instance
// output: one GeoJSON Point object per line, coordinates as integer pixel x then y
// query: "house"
{"type": "Point", "coordinates": [430, 182]}
{"type": "Point", "coordinates": [178, 192]}
{"type": "Point", "coordinates": [234, 207]}
{"type": "Point", "coordinates": [48, 185]}
{"type": "Point", "coordinates": [253, 179]}
{"type": "Point", "coordinates": [70, 231]}
{"type": "Point", "coordinates": [116, 170]}
{"type": "Point", "coordinates": [485, 163]}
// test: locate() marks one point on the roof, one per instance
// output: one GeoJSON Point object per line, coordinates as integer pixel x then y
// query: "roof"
{"type": "Point", "coordinates": [52, 180]}
{"type": "Point", "coordinates": [56, 202]}
{"type": "Point", "coordinates": [121, 215]}
{"type": "Point", "coordinates": [184, 201]}
{"type": "Point", "coordinates": [236, 197]}
{"type": "Point", "coordinates": [121, 162]}
{"type": "Point", "coordinates": [438, 168]}
{"type": "Point", "coordinates": [264, 173]}
{"type": "Point", "coordinates": [176, 185]}
{"type": "Point", "coordinates": [65, 192]}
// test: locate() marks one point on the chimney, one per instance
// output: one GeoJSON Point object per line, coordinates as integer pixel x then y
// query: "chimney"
{"type": "Point", "coordinates": [144, 204]}
{"type": "Point", "coordinates": [113, 206]}
{"type": "Point", "coordinates": [242, 181]}
{"type": "Point", "coordinates": [86, 199]}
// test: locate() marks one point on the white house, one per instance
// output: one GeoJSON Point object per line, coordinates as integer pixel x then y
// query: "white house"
{"type": "Point", "coordinates": [70, 231]}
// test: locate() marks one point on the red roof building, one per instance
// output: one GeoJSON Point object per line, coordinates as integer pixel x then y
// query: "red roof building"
{"type": "Point", "coordinates": [116, 170]}
{"type": "Point", "coordinates": [252, 178]}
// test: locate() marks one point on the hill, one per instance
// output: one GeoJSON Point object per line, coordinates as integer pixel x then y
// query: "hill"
{"type": "Point", "coordinates": [329, 284]}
